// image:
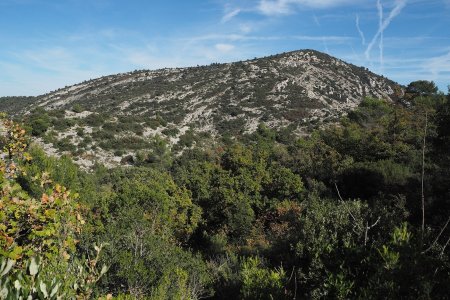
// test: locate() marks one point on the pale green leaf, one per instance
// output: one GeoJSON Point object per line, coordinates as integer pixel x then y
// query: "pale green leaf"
{"type": "Point", "coordinates": [34, 266]}
{"type": "Point", "coordinates": [9, 264]}
{"type": "Point", "coordinates": [43, 288]}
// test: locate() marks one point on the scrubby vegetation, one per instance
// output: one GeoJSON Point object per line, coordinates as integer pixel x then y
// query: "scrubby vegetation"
{"type": "Point", "coordinates": [359, 209]}
{"type": "Point", "coordinates": [304, 89]}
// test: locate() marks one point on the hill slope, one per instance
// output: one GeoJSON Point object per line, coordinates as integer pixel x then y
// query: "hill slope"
{"type": "Point", "coordinates": [122, 113]}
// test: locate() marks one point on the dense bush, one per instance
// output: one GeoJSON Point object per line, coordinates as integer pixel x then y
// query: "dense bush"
{"type": "Point", "coordinates": [65, 144]}
{"type": "Point", "coordinates": [94, 120]}
{"type": "Point", "coordinates": [339, 214]}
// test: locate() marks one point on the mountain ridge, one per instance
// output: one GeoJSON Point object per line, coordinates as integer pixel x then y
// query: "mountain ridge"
{"type": "Point", "coordinates": [296, 90]}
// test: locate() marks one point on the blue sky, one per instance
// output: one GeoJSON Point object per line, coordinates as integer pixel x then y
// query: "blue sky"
{"type": "Point", "coordinates": [48, 44]}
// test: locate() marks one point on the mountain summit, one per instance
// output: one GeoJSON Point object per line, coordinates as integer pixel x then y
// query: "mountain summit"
{"type": "Point", "coordinates": [294, 90]}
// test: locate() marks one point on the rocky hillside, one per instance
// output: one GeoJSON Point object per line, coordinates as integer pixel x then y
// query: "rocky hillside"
{"type": "Point", "coordinates": [116, 116]}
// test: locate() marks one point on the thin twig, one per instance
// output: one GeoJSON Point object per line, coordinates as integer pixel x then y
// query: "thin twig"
{"type": "Point", "coordinates": [292, 273]}
{"type": "Point", "coordinates": [437, 238]}
{"type": "Point", "coordinates": [445, 246]}
{"type": "Point", "coordinates": [337, 190]}
{"type": "Point", "coordinates": [423, 173]}
{"type": "Point", "coordinates": [375, 224]}
{"type": "Point", "coordinates": [295, 284]}
{"type": "Point", "coordinates": [342, 200]}
{"type": "Point", "coordinates": [368, 228]}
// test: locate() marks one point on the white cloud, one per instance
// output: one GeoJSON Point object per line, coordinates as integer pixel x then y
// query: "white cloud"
{"type": "Point", "coordinates": [278, 7]}
{"type": "Point", "coordinates": [284, 7]}
{"type": "Point", "coordinates": [57, 60]}
{"type": "Point", "coordinates": [323, 3]}
{"type": "Point", "coordinates": [224, 48]}
{"type": "Point", "coordinates": [438, 66]}
{"type": "Point", "coordinates": [324, 38]}
{"type": "Point", "coordinates": [243, 37]}
{"type": "Point", "coordinates": [325, 45]}
{"type": "Point", "coordinates": [316, 20]}
{"type": "Point", "coordinates": [230, 15]}
{"type": "Point", "coordinates": [25, 80]}
{"type": "Point", "coordinates": [245, 28]}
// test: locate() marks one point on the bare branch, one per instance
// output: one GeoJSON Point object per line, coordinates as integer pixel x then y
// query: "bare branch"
{"type": "Point", "coordinates": [375, 224]}
{"type": "Point", "coordinates": [423, 172]}
{"type": "Point", "coordinates": [295, 283]}
{"type": "Point", "coordinates": [437, 238]}
{"type": "Point", "coordinates": [366, 233]}
{"type": "Point", "coordinates": [337, 190]}
{"type": "Point", "coordinates": [445, 246]}
{"type": "Point", "coordinates": [342, 200]}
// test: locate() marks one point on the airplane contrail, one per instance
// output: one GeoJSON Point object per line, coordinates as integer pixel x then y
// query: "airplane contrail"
{"type": "Point", "coordinates": [399, 5]}
{"type": "Point", "coordinates": [361, 33]}
{"type": "Point", "coordinates": [380, 25]}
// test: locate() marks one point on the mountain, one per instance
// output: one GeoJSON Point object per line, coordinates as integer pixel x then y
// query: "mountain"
{"type": "Point", "coordinates": [110, 118]}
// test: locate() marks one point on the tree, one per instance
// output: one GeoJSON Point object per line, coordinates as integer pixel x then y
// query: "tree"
{"type": "Point", "coordinates": [422, 88]}
{"type": "Point", "coordinates": [39, 235]}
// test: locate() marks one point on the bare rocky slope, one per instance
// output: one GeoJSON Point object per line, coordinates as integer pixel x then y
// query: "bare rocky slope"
{"type": "Point", "coordinates": [115, 116]}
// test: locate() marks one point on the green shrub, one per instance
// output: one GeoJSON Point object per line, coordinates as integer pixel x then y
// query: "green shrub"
{"type": "Point", "coordinates": [39, 126]}
{"type": "Point", "coordinates": [77, 108]}
{"type": "Point", "coordinates": [259, 282]}
{"type": "Point", "coordinates": [63, 124]}
{"type": "Point", "coordinates": [94, 120]}
{"type": "Point", "coordinates": [65, 144]}
{"type": "Point", "coordinates": [171, 131]}
{"type": "Point", "coordinates": [80, 131]}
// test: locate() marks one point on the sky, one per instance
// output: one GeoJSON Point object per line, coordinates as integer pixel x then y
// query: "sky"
{"type": "Point", "coordinates": [49, 44]}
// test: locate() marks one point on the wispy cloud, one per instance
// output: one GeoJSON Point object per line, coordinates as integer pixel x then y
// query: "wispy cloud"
{"type": "Point", "coordinates": [324, 38]}
{"type": "Point", "coordinates": [316, 20]}
{"type": "Point", "coordinates": [284, 7]}
{"type": "Point", "coordinates": [243, 37]}
{"type": "Point", "coordinates": [325, 45]}
{"type": "Point", "coordinates": [49, 59]}
{"type": "Point", "coordinates": [42, 70]}
{"type": "Point", "coordinates": [224, 47]}
{"type": "Point", "coordinates": [246, 28]}
{"type": "Point", "coordinates": [361, 33]}
{"type": "Point", "coordinates": [279, 7]}
{"type": "Point", "coordinates": [438, 66]}
{"type": "Point", "coordinates": [230, 15]}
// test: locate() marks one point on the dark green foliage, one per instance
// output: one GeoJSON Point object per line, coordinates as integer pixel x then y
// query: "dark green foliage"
{"type": "Point", "coordinates": [422, 88]}
{"type": "Point", "coordinates": [38, 122]}
{"type": "Point", "coordinates": [15, 104]}
{"type": "Point", "coordinates": [77, 108]}
{"type": "Point", "coordinates": [65, 144]}
{"type": "Point", "coordinates": [146, 209]}
{"type": "Point", "coordinates": [333, 215]}
{"type": "Point", "coordinates": [80, 131]}
{"type": "Point", "coordinates": [61, 124]}
{"type": "Point", "coordinates": [187, 139]}
{"type": "Point", "coordinates": [120, 143]}
{"type": "Point", "coordinates": [231, 127]}
{"type": "Point", "coordinates": [171, 131]}
{"type": "Point", "coordinates": [39, 126]}
{"type": "Point", "coordinates": [124, 125]}
{"type": "Point", "coordinates": [67, 173]}
{"type": "Point", "coordinates": [94, 120]}
{"type": "Point", "coordinates": [156, 122]}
